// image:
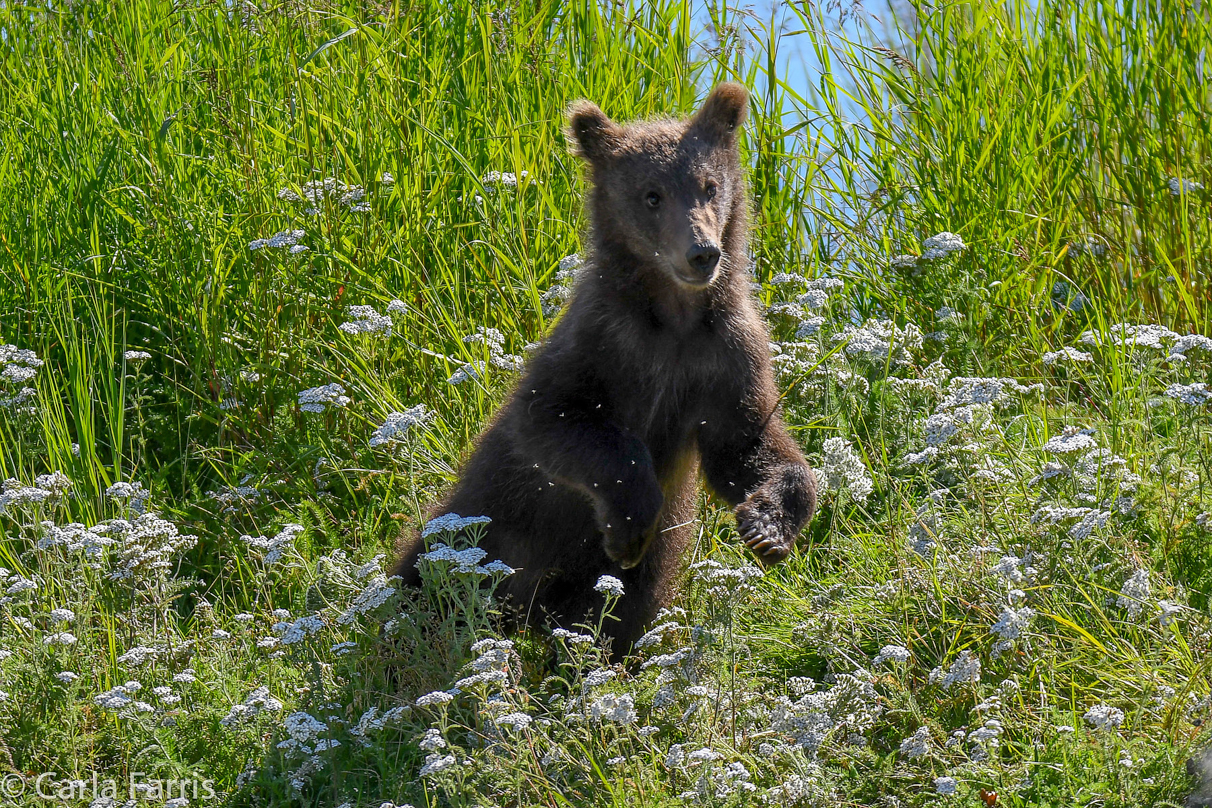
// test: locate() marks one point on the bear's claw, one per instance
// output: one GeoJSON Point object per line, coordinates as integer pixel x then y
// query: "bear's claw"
{"type": "Point", "coordinates": [762, 535]}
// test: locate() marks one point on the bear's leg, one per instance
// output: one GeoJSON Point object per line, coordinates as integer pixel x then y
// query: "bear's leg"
{"type": "Point", "coordinates": [751, 461]}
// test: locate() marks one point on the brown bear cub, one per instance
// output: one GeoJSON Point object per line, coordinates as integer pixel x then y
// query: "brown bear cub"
{"type": "Point", "coordinates": [658, 368]}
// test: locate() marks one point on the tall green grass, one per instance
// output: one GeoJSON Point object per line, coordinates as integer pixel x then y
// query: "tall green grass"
{"type": "Point", "coordinates": [145, 145]}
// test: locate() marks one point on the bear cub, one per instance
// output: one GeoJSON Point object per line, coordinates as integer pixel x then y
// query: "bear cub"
{"type": "Point", "coordinates": [658, 370]}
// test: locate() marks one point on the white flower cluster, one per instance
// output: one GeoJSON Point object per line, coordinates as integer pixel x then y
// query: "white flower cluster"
{"type": "Point", "coordinates": [47, 488]}
{"type": "Point", "coordinates": [451, 523]}
{"type": "Point", "coordinates": [934, 248]}
{"type": "Point", "coordinates": [1104, 717]}
{"type": "Point", "coordinates": [845, 470]}
{"type": "Point", "coordinates": [123, 697]}
{"type": "Point", "coordinates": [613, 708]}
{"type": "Point", "coordinates": [464, 562]}
{"type": "Point", "coordinates": [1175, 348]}
{"type": "Point", "coordinates": [276, 547]}
{"type": "Point", "coordinates": [494, 340]}
{"type": "Point", "coordinates": [469, 371]}
{"type": "Point", "coordinates": [378, 591]}
{"type": "Point", "coordinates": [965, 669]}
{"type": "Point", "coordinates": [1067, 354]}
{"type": "Point", "coordinates": [610, 586]}
{"type": "Point", "coordinates": [18, 367]}
{"type": "Point", "coordinates": [147, 547]}
{"type": "Point", "coordinates": [233, 497]}
{"type": "Point", "coordinates": [316, 192]}
{"type": "Point", "coordinates": [504, 179]}
{"type": "Point", "coordinates": [851, 705]}
{"type": "Point", "coordinates": [892, 653]}
{"type": "Point", "coordinates": [398, 424]}
{"type": "Point", "coordinates": [365, 320]}
{"type": "Point", "coordinates": [1179, 186]}
{"type": "Point", "coordinates": [725, 584]}
{"type": "Point", "coordinates": [257, 702]}
{"type": "Point", "coordinates": [1071, 441]}
{"type": "Point", "coordinates": [1010, 625]}
{"type": "Point", "coordinates": [1194, 395]}
{"type": "Point", "coordinates": [295, 631]}
{"type": "Point", "coordinates": [288, 239]}
{"type": "Point", "coordinates": [941, 245]}
{"type": "Point", "coordinates": [1134, 593]}
{"type": "Point", "coordinates": [881, 341]}
{"type": "Point", "coordinates": [318, 399]}
{"type": "Point", "coordinates": [916, 745]}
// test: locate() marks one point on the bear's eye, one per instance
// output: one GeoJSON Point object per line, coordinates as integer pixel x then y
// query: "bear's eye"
{"type": "Point", "coordinates": [711, 188]}
{"type": "Point", "coordinates": [653, 199]}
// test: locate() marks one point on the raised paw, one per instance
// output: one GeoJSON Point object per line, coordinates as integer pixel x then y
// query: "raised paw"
{"type": "Point", "coordinates": [626, 547]}
{"type": "Point", "coordinates": [628, 527]}
{"type": "Point", "coordinates": [763, 533]}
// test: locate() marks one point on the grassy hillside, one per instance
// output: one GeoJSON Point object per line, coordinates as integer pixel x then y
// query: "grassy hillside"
{"type": "Point", "coordinates": [266, 270]}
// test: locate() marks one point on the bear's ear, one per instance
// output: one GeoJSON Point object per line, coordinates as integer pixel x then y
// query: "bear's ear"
{"type": "Point", "coordinates": [723, 112]}
{"type": "Point", "coordinates": [592, 135]}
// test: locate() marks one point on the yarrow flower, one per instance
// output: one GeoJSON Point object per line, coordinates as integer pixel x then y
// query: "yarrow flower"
{"type": "Point", "coordinates": [1134, 592]}
{"type": "Point", "coordinates": [365, 320]}
{"type": "Point", "coordinates": [436, 697]}
{"type": "Point", "coordinates": [276, 547]}
{"type": "Point", "coordinates": [318, 399]}
{"type": "Point", "coordinates": [844, 469]}
{"type": "Point", "coordinates": [286, 238]}
{"type": "Point", "coordinates": [942, 245]}
{"type": "Point", "coordinates": [892, 653]}
{"type": "Point", "coordinates": [1011, 623]}
{"type": "Point", "coordinates": [916, 745]}
{"type": "Point", "coordinates": [452, 523]}
{"type": "Point", "coordinates": [965, 668]}
{"type": "Point", "coordinates": [945, 785]}
{"type": "Point", "coordinates": [136, 357]}
{"type": "Point", "coordinates": [398, 424]}
{"type": "Point", "coordinates": [1071, 441]}
{"type": "Point", "coordinates": [1178, 186]}
{"type": "Point", "coordinates": [617, 709]}
{"type": "Point", "coordinates": [1103, 717]}
{"type": "Point", "coordinates": [610, 586]}
{"type": "Point", "coordinates": [1195, 395]}
{"type": "Point", "coordinates": [1067, 353]}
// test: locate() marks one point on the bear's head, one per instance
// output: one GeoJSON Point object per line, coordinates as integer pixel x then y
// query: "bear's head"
{"type": "Point", "coordinates": [671, 192]}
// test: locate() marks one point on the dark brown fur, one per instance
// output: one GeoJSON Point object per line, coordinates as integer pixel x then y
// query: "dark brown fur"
{"type": "Point", "coordinates": [658, 369]}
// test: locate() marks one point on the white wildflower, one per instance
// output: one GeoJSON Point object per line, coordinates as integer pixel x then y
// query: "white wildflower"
{"type": "Point", "coordinates": [1195, 395]}
{"type": "Point", "coordinates": [1103, 717]}
{"type": "Point", "coordinates": [1179, 186]}
{"type": "Point", "coordinates": [916, 745]}
{"type": "Point", "coordinates": [844, 469]}
{"type": "Point", "coordinates": [941, 245]}
{"type": "Point", "coordinates": [318, 399]}
{"type": "Point", "coordinates": [617, 709]}
{"type": "Point", "coordinates": [365, 320]}
{"type": "Point", "coordinates": [1070, 441]}
{"type": "Point", "coordinates": [892, 653]}
{"type": "Point", "coordinates": [452, 523]}
{"type": "Point", "coordinates": [610, 586]}
{"type": "Point", "coordinates": [945, 785]}
{"type": "Point", "coordinates": [1134, 592]}
{"type": "Point", "coordinates": [965, 669]}
{"type": "Point", "coordinates": [1067, 354]}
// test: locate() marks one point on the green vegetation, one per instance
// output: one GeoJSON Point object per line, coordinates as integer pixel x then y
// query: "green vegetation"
{"type": "Point", "coordinates": [981, 241]}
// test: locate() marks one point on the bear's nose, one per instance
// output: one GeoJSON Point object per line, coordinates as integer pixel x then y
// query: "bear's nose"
{"type": "Point", "coordinates": [703, 256]}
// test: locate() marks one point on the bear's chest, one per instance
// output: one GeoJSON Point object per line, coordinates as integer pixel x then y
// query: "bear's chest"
{"type": "Point", "coordinates": [665, 393]}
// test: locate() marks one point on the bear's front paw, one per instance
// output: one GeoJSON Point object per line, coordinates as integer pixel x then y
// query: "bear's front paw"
{"type": "Point", "coordinates": [628, 526]}
{"type": "Point", "coordinates": [764, 531]}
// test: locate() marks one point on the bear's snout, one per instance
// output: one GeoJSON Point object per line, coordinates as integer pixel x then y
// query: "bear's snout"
{"type": "Point", "coordinates": [703, 258]}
